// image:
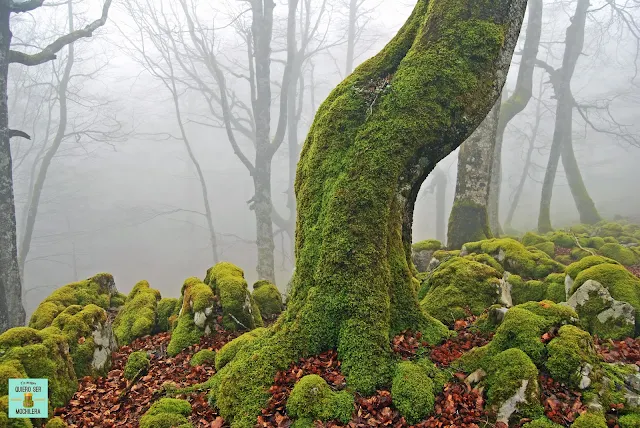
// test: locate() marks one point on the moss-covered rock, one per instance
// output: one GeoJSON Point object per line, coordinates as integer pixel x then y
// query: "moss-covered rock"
{"type": "Point", "coordinates": [530, 239]}
{"type": "Point", "coordinates": [196, 316]}
{"type": "Point", "coordinates": [117, 300]}
{"type": "Point", "coordinates": [96, 290]}
{"type": "Point", "coordinates": [56, 423]}
{"type": "Point", "coordinates": [138, 316]}
{"type": "Point", "coordinates": [621, 283]}
{"type": "Point", "coordinates": [167, 307]}
{"type": "Point", "coordinates": [549, 248]}
{"type": "Point", "coordinates": [427, 245]}
{"type": "Point", "coordinates": [590, 420]}
{"type": "Point", "coordinates": [562, 239]}
{"type": "Point", "coordinates": [571, 356]}
{"type": "Point", "coordinates": [619, 253]}
{"type": "Point", "coordinates": [167, 413]}
{"type": "Point", "coordinates": [137, 363]}
{"type": "Point", "coordinates": [529, 291]}
{"type": "Point", "coordinates": [555, 288]}
{"type": "Point", "coordinates": [203, 356]}
{"type": "Point", "coordinates": [268, 298]}
{"type": "Point", "coordinates": [412, 391]}
{"type": "Point", "coordinates": [5, 421]}
{"type": "Point", "coordinates": [585, 263]}
{"type": "Point", "coordinates": [239, 310]}
{"type": "Point", "coordinates": [512, 385]}
{"type": "Point", "coordinates": [631, 420]}
{"type": "Point", "coordinates": [230, 349]}
{"type": "Point", "coordinates": [11, 369]}
{"type": "Point", "coordinates": [541, 423]}
{"type": "Point", "coordinates": [609, 229]}
{"type": "Point", "coordinates": [41, 354]}
{"type": "Point", "coordinates": [528, 263]}
{"type": "Point", "coordinates": [311, 398]}
{"type": "Point", "coordinates": [457, 285]}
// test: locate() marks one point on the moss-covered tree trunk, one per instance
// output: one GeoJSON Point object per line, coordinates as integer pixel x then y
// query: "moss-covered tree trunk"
{"type": "Point", "coordinates": [562, 144]}
{"type": "Point", "coordinates": [373, 142]}
{"type": "Point", "coordinates": [469, 218]}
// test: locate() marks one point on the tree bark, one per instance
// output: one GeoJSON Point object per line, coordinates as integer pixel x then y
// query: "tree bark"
{"type": "Point", "coordinates": [374, 141]}
{"type": "Point", "coordinates": [469, 218]}
{"type": "Point", "coordinates": [351, 35]}
{"type": "Point", "coordinates": [562, 143]}
{"type": "Point", "coordinates": [12, 311]}
{"type": "Point", "coordinates": [440, 183]}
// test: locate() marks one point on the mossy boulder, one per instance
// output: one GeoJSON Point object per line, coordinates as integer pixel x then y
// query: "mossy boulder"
{"type": "Point", "coordinates": [549, 248]}
{"type": "Point", "coordinates": [268, 298]}
{"type": "Point", "coordinates": [590, 420]}
{"type": "Point", "coordinates": [631, 420]}
{"type": "Point", "coordinates": [137, 363]}
{"type": "Point", "coordinates": [530, 239]}
{"type": "Point", "coordinates": [239, 310]}
{"type": "Point", "coordinates": [138, 316]}
{"type": "Point", "coordinates": [619, 253]}
{"type": "Point", "coordinates": [311, 398]}
{"type": "Point", "coordinates": [512, 385]}
{"type": "Point", "coordinates": [412, 391]}
{"type": "Point", "coordinates": [601, 314]}
{"type": "Point", "coordinates": [609, 229]}
{"type": "Point", "coordinates": [542, 423]}
{"type": "Point", "coordinates": [203, 356]}
{"type": "Point", "coordinates": [457, 285]}
{"type": "Point", "coordinates": [622, 284]}
{"type": "Point", "coordinates": [197, 315]}
{"type": "Point", "coordinates": [167, 307]}
{"type": "Point", "coordinates": [56, 423]}
{"type": "Point", "coordinates": [526, 291]}
{"type": "Point", "coordinates": [585, 263]}
{"type": "Point", "coordinates": [96, 290]}
{"type": "Point", "coordinates": [11, 369]}
{"type": "Point", "coordinates": [562, 239]}
{"type": "Point", "coordinates": [555, 284]}
{"type": "Point", "coordinates": [167, 413]}
{"type": "Point", "coordinates": [515, 258]}
{"type": "Point", "coordinates": [5, 421]}
{"type": "Point", "coordinates": [571, 356]}
{"type": "Point", "coordinates": [230, 349]}
{"type": "Point", "coordinates": [422, 253]}
{"type": "Point", "coordinates": [41, 354]}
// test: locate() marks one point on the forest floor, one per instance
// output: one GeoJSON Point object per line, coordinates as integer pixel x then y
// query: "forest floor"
{"type": "Point", "coordinates": [98, 402]}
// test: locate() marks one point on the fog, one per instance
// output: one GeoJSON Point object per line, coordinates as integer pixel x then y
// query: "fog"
{"type": "Point", "coordinates": [122, 196]}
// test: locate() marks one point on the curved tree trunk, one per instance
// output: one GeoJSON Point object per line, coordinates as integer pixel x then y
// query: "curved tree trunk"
{"type": "Point", "coordinates": [586, 208]}
{"type": "Point", "coordinates": [440, 182]}
{"type": "Point", "coordinates": [469, 218]}
{"type": "Point", "coordinates": [374, 141]}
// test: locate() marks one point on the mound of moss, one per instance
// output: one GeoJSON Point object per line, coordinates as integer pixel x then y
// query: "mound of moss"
{"type": "Point", "coordinates": [526, 291]}
{"type": "Point", "coordinates": [78, 324]}
{"type": "Point", "coordinates": [268, 299]}
{"type": "Point", "coordinates": [41, 354]}
{"type": "Point", "coordinates": [622, 284]}
{"type": "Point", "coordinates": [167, 413]}
{"type": "Point", "coordinates": [530, 239]}
{"type": "Point", "coordinates": [427, 245]}
{"type": "Point", "coordinates": [570, 356]}
{"type": "Point", "coordinates": [412, 391]}
{"type": "Point", "coordinates": [167, 307]}
{"type": "Point", "coordinates": [56, 423]}
{"type": "Point", "coordinates": [239, 310]}
{"type": "Point", "coordinates": [512, 385]}
{"type": "Point", "coordinates": [527, 262]}
{"type": "Point", "coordinates": [590, 420]}
{"type": "Point", "coordinates": [204, 356]}
{"type": "Point", "coordinates": [5, 421]}
{"type": "Point", "coordinates": [311, 398]}
{"type": "Point", "coordinates": [631, 420]}
{"type": "Point", "coordinates": [138, 316]}
{"type": "Point", "coordinates": [541, 423]}
{"type": "Point", "coordinates": [230, 349]}
{"type": "Point", "coordinates": [457, 285]}
{"type": "Point", "coordinates": [97, 290]}
{"type": "Point", "coordinates": [196, 315]}
{"type": "Point", "coordinates": [138, 362]}
{"type": "Point", "coordinates": [619, 253]}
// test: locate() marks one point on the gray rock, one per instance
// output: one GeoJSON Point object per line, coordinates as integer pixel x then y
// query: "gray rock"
{"type": "Point", "coordinates": [633, 382]}
{"type": "Point", "coordinates": [433, 264]}
{"type": "Point", "coordinates": [568, 285]}
{"type": "Point", "coordinates": [585, 380]}
{"type": "Point", "coordinates": [505, 290]}
{"type": "Point", "coordinates": [105, 344]}
{"type": "Point", "coordinates": [422, 259]}
{"type": "Point", "coordinates": [509, 406]}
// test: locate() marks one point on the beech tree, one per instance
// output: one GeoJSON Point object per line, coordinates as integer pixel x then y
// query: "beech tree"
{"type": "Point", "coordinates": [374, 141]}
{"type": "Point", "coordinates": [10, 283]}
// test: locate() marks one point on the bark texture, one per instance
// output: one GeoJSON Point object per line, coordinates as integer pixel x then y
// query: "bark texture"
{"type": "Point", "coordinates": [469, 218]}
{"type": "Point", "coordinates": [373, 142]}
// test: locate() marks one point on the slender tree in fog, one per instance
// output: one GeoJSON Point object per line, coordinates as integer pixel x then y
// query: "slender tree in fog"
{"type": "Point", "coordinates": [438, 185]}
{"type": "Point", "coordinates": [10, 283]}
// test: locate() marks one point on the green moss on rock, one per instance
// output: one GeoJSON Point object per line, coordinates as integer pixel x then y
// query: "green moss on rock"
{"type": "Point", "coordinates": [239, 310]}
{"type": "Point", "coordinates": [619, 253]}
{"type": "Point", "coordinates": [631, 420]}
{"type": "Point", "coordinates": [585, 263]}
{"type": "Point", "coordinates": [622, 284]}
{"type": "Point", "coordinates": [529, 239]}
{"type": "Point", "coordinates": [590, 420]}
{"type": "Point", "coordinates": [138, 362]}
{"type": "Point", "coordinates": [56, 423]}
{"type": "Point", "coordinates": [458, 284]}
{"type": "Point", "coordinates": [529, 291]}
{"type": "Point", "coordinates": [167, 413]}
{"type": "Point", "coordinates": [11, 369]}
{"type": "Point", "coordinates": [562, 239]}
{"type": "Point", "coordinates": [268, 298]}
{"type": "Point", "coordinates": [138, 316]}
{"type": "Point", "coordinates": [528, 263]}
{"type": "Point", "coordinates": [427, 245]}
{"type": "Point", "coordinates": [6, 422]}
{"type": "Point", "coordinates": [568, 353]}
{"type": "Point", "coordinates": [166, 308]}
{"type": "Point", "coordinates": [204, 356]}
{"type": "Point", "coordinates": [230, 349]}
{"type": "Point", "coordinates": [555, 288]}
{"type": "Point", "coordinates": [311, 398]}
{"type": "Point", "coordinates": [412, 391]}
{"type": "Point", "coordinates": [541, 423]}
{"type": "Point", "coordinates": [549, 248]}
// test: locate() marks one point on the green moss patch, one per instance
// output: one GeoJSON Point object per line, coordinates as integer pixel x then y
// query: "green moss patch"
{"type": "Point", "coordinates": [167, 413]}
{"type": "Point", "coordinates": [204, 356]}
{"type": "Point", "coordinates": [619, 253]}
{"type": "Point", "coordinates": [137, 363]}
{"type": "Point", "coordinates": [412, 391]}
{"type": "Point", "coordinates": [311, 398]}
{"type": "Point", "coordinates": [427, 245]}
{"type": "Point", "coordinates": [568, 353]}
{"type": "Point", "coordinates": [590, 420]}
{"type": "Point", "coordinates": [11, 423]}
{"type": "Point", "coordinates": [268, 298]}
{"type": "Point", "coordinates": [167, 307]}
{"type": "Point", "coordinates": [457, 285]}
{"type": "Point", "coordinates": [138, 316]}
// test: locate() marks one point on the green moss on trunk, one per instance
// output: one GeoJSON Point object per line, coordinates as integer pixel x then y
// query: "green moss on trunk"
{"type": "Point", "coordinates": [468, 222]}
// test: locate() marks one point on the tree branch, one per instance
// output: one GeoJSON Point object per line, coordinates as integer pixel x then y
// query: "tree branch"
{"type": "Point", "coordinates": [18, 133]}
{"type": "Point", "coordinates": [49, 52]}
{"type": "Point", "coordinates": [24, 6]}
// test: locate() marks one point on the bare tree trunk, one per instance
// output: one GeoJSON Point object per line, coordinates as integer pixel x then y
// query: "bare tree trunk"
{"type": "Point", "coordinates": [38, 186]}
{"type": "Point", "coordinates": [12, 311]}
{"type": "Point", "coordinates": [493, 206]}
{"type": "Point", "coordinates": [562, 135]}
{"type": "Point", "coordinates": [440, 181]}
{"type": "Point", "coordinates": [351, 36]}
{"type": "Point", "coordinates": [586, 208]}
{"type": "Point", "coordinates": [469, 219]}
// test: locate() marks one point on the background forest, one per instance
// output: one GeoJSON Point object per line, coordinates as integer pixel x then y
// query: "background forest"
{"type": "Point", "coordinates": [143, 160]}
